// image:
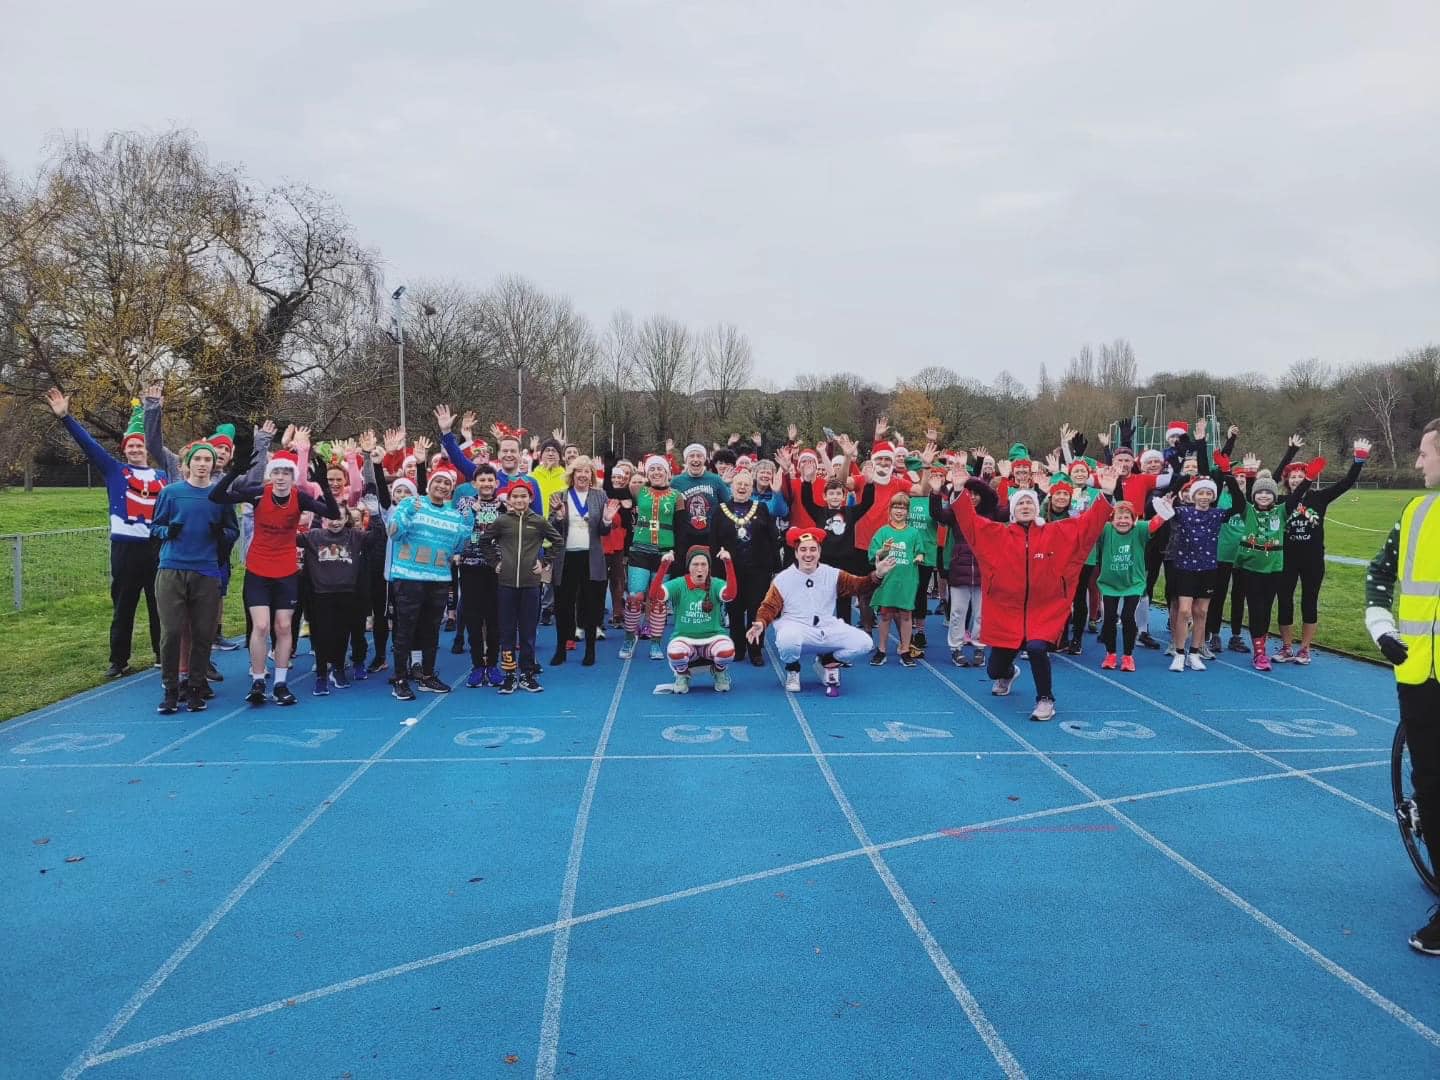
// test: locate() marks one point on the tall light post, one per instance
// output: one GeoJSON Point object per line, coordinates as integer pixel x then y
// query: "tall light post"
{"type": "Point", "coordinates": [399, 325]}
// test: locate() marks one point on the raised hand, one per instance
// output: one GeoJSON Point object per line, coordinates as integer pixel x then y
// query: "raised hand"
{"type": "Point", "coordinates": [467, 424]}
{"type": "Point", "coordinates": [867, 470]}
{"type": "Point", "coordinates": [1251, 461]}
{"type": "Point", "coordinates": [783, 458]}
{"type": "Point", "coordinates": [667, 558]}
{"type": "Point", "coordinates": [928, 454]}
{"type": "Point", "coordinates": [1066, 434]}
{"type": "Point", "coordinates": [792, 433]}
{"type": "Point", "coordinates": [422, 446]}
{"type": "Point", "coordinates": [1233, 431]}
{"type": "Point", "coordinates": [756, 439]}
{"type": "Point", "coordinates": [288, 438]}
{"type": "Point", "coordinates": [1362, 448]}
{"type": "Point", "coordinates": [157, 391]}
{"type": "Point", "coordinates": [1103, 438]}
{"type": "Point", "coordinates": [1296, 441]}
{"type": "Point", "coordinates": [669, 446]}
{"type": "Point", "coordinates": [850, 446]}
{"type": "Point", "coordinates": [59, 403]}
{"type": "Point", "coordinates": [1052, 462]}
{"type": "Point", "coordinates": [612, 507]}
{"type": "Point", "coordinates": [1003, 467]}
{"type": "Point", "coordinates": [723, 555]}
{"type": "Point", "coordinates": [496, 433]}
{"type": "Point", "coordinates": [1201, 426]}
{"type": "Point", "coordinates": [444, 418]}
{"type": "Point", "coordinates": [733, 439]}
{"type": "Point", "coordinates": [268, 428]}
{"type": "Point", "coordinates": [367, 441]}
{"type": "Point", "coordinates": [937, 481]}
{"type": "Point", "coordinates": [557, 435]}
{"type": "Point", "coordinates": [1043, 482]}
{"type": "Point", "coordinates": [534, 444]}
{"type": "Point", "coordinates": [1108, 476]}
{"type": "Point", "coordinates": [394, 440]}
{"type": "Point", "coordinates": [882, 425]}
{"type": "Point", "coordinates": [932, 434]}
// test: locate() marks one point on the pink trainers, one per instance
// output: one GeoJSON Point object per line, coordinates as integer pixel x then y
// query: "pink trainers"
{"type": "Point", "coordinates": [1127, 663]}
{"type": "Point", "coordinates": [1261, 662]}
{"type": "Point", "coordinates": [1303, 656]}
{"type": "Point", "coordinates": [1108, 664]}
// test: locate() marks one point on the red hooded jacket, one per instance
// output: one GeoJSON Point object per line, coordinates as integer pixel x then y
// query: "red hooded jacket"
{"type": "Point", "coordinates": [1028, 573]}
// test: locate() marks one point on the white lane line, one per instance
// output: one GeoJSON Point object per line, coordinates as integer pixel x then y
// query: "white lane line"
{"type": "Point", "coordinates": [79, 699]}
{"type": "Point", "coordinates": [190, 944]}
{"type": "Point", "coordinates": [1384, 815]}
{"type": "Point", "coordinates": [545, 1058]}
{"type": "Point", "coordinates": [244, 707]}
{"type": "Point", "coordinates": [1292, 939]}
{"type": "Point", "coordinates": [806, 755]}
{"type": "Point", "coordinates": [971, 1007]}
{"type": "Point", "coordinates": [1296, 688]}
{"type": "Point", "coordinates": [667, 898]}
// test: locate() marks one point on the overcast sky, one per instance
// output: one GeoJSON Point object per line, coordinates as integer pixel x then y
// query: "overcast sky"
{"type": "Point", "coordinates": [861, 186]}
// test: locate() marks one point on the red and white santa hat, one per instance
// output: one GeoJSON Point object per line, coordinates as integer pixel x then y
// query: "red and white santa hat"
{"type": "Point", "coordinates": [284, 459]}
{"type": "Point", "coordinates": [656, 460]}
{"type": "Point", "coordinates": [882, 449]}
{"type": "Point", "coordinates": [806, 452]}
{"type": "Point", "coordinates": [1151, 455]}
{"type": "Point", "coordinates": [447, 471]}
{"type": "Point", "coordinates": [1177, 429]}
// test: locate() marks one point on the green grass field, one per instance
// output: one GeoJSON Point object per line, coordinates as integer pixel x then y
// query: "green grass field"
{"type": "Point", "coordinates": [60, 638]}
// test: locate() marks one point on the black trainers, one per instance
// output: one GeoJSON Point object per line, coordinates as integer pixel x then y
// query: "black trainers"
{"type": "Point", "coordinates": [338, 678]}
{"type": "Point", "coordinates": [908, 659]}
{"type": "Point", "coordinates": [877, 659]}
{"type": "Point", "coordinates": [197, 700]}
{"type": "Point", "coordinates": [457, 647]}
{"type": "Point", "coordinates": [256, 696]}
{"type": "Point", "coordinates": [378, 664]}
{"type": "Point", "coordinates": [507, 685]}
{"type": "Point", "coordinates": [169, 704]}
{"type": "Point", "coordinates": [401, 690]}
{"type": "Point", "coordinates": [213, 674]}
{"type": "Point", "coordinates": [1427, 938]}
{"type": "Point", "coordinates": [432, 685]}
{"type": "Point", "coordinates": [529, 683]}
{"type": "Point", "coordinates": [114, 671]}
{"type": "Point", "coordinates": [918, 640]}
{"type": "Point", "coordinates": [282, 694]}
{"type": "Point", "coordinates": [1148, 640]}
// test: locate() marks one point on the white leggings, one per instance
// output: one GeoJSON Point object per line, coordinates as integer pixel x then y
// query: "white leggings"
{"type": "Point", "coordinates": [794, 638]}
{"type": "Point", "coordinates": [964, 600]}
{"type": "Point", "coordinates": [682, 651]}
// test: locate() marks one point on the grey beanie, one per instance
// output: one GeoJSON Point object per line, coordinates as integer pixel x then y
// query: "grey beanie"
{"type": "Point", "coordinates": [1265, 482]}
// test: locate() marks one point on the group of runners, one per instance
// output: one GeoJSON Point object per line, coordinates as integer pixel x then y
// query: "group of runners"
{"type": "Point", "coordinates": [838, 554]}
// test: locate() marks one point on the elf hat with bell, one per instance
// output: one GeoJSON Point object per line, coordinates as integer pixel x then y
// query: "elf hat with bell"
{"type": "Point", "coordinates": [135, 430]}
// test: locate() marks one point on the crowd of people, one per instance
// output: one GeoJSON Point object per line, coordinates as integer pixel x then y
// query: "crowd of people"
{"type": "Point", "coordinates": [379, 545]}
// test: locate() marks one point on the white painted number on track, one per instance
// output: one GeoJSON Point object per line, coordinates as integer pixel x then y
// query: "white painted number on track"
{"type": "Point", "coordinates": [318, 736]}
{"type": "Point", "coordinates": [690, 733]}
{"type": "Point", "coordinates": [1111, 729]}
{"type": "Point", "coordinates": [491, 737]}
{"type": "Point", "coordinates": [896, 731]}
{"type": "Point", "coordinates": [1304, 729]}
{"type": "Point", "coordinates": [69, 742]}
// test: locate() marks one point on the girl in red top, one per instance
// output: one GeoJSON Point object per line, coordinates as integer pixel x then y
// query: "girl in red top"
{"type": "Point", "coordinates": [272, 577]}
{"type": "Point", "coordinates": [1028, 573]}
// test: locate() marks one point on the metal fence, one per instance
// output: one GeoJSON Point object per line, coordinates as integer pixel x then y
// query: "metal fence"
{"type": "Point", "coordinates": [43, 566]}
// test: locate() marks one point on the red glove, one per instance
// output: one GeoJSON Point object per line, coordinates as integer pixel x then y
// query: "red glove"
{"type": "Point", "coordinates": [1221, 460]}
{"type": "Point", "coordinates": [1362, 453]}
{"type": "Point", "coordinates": [1315, 468]}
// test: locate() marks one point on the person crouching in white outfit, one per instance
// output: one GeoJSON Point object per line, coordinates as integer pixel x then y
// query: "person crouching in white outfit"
{"type": "Point", "coordinates": [801, 605]}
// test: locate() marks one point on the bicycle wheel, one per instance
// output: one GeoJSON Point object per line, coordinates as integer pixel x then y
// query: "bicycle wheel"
{"type": "Point", "coordinates": [1407, 814]}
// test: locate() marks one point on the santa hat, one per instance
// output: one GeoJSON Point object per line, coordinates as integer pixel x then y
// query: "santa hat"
{"type": "Point", "coordinates": [403, 482]}
{"type": "Point", "coordinates": [1177, 429]}
{"type": "Point", "coordinates": [447, 471]}
{"type": "Point", "coordinates": [655, 460]}
{"type": "Point", "coordinates": [224, 436]}
{"type": "Point", "coordinates": [744, 461]}
{"type": "Point", "coordinates": [1151, 455]}
{"type": "Point", "coordinates": [410, 462]}
{"type": "Point", "coordinates": [1203, 484]}
{"type": "Point", "coordinates": [284, 459]}
{"type": "Point", "coordinates": [808, 453]}
{"type": "Point", "coordinates": [796, 533]}
{"type": "Point", "coordinates": [1019, 495]}
{"type": "Point", "coordinates": [515, 485]}
{"type": "Point", "coordinates": [884, 448]}
{"type": "Point", "coordinates": [135, 432]}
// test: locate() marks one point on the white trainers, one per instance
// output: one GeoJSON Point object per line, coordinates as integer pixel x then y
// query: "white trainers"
{"type": "Point", "coordinates": [1196, 664]}
{"type": "Point", "coordinates": [1044, 710]}
{"type": "Point", "coordinates": [792, 682]}
{"type": "Point", "coordinates": [1178, 662]}
{"type": "Point", "coordinates": [682, 683]}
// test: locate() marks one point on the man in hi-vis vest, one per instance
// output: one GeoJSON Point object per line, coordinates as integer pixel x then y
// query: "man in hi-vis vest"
{"type": "Point", "coordinates": [1408, 569]}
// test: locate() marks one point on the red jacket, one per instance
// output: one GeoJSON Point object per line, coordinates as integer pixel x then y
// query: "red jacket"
{"type": "Point", "coordinates": [1028, 573]}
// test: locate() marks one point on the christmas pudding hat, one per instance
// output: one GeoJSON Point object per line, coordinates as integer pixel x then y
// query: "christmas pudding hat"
{"type": "Point", "coordinates": [135, 431]}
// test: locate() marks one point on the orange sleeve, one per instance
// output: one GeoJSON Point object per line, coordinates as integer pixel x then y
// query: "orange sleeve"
{"type": "Point", "coordinates": [856, 584]}
{"type": "Point", "coordinates": [771, 606]}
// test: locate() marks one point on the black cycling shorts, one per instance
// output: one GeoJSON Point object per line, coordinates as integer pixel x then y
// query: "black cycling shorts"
{"type": "Point", "coordinates": [275, 593]}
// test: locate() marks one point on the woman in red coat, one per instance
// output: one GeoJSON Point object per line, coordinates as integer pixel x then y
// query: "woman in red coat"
{"type": "Point", "coordinates": [1028, 571]}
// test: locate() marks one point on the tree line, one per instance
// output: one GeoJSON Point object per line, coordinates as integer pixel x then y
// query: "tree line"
{"type": "Point", "coordinates": [136, 259]}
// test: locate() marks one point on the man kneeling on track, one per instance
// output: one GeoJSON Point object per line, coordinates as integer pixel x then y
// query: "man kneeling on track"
{"type": "Point", "coordinates": [699, 602]}
{"type": "Point", "coordinates": [801, 604]}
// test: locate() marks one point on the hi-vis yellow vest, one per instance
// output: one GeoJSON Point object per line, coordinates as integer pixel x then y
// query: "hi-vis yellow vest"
{"type": "Point", "coordinates": [1419, 611]}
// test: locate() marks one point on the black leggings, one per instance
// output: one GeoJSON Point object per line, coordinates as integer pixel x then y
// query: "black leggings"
{"type": "Point", "coordinates": [1420, 712]}
{"type": "Point", "coordinates": [1122, 609]}
{"type": "Point", "coordinates": [922, 595]}
{"type": "Point", "coordinates": [1001, 665]}
{"type": "Point", "coordinates": [1260, 592]}
{"type": "Point", "coordinates": [378, 598]}
{"type": "Point", "coordinates": [751, 585]}
{"type": "Point", "coordinates": [419, 611]}
{"type": "Point", "coordinates": [1154, 561]}
{"type": "Point", "coordinates": [1081, 607]}
{"type": "Point", "coordinates": [579, 602]}
{"type": "Point", "coordinates": [1225, 576]}
{"type": "Point", "coordinates": [1305, 564]}
{"type": "Point", "coordinates": [480, 608]}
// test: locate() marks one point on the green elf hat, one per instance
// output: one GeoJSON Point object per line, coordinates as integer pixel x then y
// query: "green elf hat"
{"type": "Point", "coordinates": [913, 463]}
{"type": "Point", "coordinates": [224, 436]}
{"type": "Point", "coordinates": [1018, 452]}
{"type": "Point", "coordinates": [189, 450]}
{"type": "Point", "coordinates": [135, 432]}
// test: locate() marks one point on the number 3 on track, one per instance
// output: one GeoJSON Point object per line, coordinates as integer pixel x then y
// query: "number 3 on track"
{"type": "Point", "coordinates": [1111, 729]}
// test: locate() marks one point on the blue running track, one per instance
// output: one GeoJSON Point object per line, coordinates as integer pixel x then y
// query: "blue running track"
{"type": "Point", "coordinates": [1183, 875]}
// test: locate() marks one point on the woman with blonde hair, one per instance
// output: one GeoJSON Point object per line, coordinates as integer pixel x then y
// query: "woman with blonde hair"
{"type": "Point", "coordinates": [583, 515]}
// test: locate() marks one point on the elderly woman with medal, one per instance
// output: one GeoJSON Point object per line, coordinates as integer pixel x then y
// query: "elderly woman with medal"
{"type": "Point", "coordinates": [745, 529]}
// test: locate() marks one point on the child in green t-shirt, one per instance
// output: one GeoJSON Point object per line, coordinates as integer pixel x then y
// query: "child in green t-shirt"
{"type": "Point", "coordinates": [699, 602]}
{"type": "Point", "coordinates": [1120, 555]}
{"type": "Point", "coordinates": [894, 599]}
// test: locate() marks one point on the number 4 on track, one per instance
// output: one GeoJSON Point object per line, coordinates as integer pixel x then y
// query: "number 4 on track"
{"type": "Point", "coordinates": [898, 731]}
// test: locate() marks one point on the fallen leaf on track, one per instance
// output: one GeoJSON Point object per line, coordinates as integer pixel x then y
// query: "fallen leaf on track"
{"type": "Point", "coordinates": [473, 880]}
{"type": "Point", "coordinates": [42, 841]}
{"type": "Point", "coordinates": [512, 1059]}
{"type": "Point", "coordinates": [74, 858]}
{"type": "Point", "coordinates": [1013, 798]}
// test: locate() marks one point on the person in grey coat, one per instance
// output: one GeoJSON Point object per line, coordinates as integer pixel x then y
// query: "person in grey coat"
{"type": "Point", "coordinates": [583, 515]}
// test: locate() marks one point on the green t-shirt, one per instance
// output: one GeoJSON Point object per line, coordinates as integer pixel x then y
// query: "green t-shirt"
{"type": "Point", "coordinates": [1262, 527]}
{"type": "Point", "coordinates": [654, 520]}
{"type": "Point", "coordinates": [691, 618]}
{"type": "Point", "coordinates": [929, 529]}
{"type": "Point", "coordinates": [899, 587]}
{"type": "Point", "coordinates": [1121, 558]}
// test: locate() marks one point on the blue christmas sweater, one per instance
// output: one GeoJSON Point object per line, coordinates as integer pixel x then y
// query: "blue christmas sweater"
{"type": "Point", "coordinates": [131, 492]}
{"type": "Point", "coordinates": [424, 538]}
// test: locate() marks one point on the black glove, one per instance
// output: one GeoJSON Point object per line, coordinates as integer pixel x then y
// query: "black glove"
{"type": "Point", "coordinates": [1078, 443]}
{"type": "Point", "coordinates": [1395, 650]}
{"type": "Point", "coordinates": [317, 470]}
{"type": "Point", "coordinates": [1127, 433]}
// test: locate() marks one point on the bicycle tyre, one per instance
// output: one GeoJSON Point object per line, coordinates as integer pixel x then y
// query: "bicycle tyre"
{"type": "Point", "coordinates": [1407, 816]}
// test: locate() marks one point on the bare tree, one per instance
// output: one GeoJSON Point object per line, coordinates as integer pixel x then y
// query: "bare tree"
{"type": "Point", "coordinates": [1119, 371]}
{"type": "Point", "coordinates": [1380, 392]}
{"type": "Point", "coordinates": [665, 366]}
{"type": "Point", "coordinates": [521, 322]}
{"type": "Point", "coordinates": [575, 357]}
{"type": "Point", "coordinates": [728, 366]}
